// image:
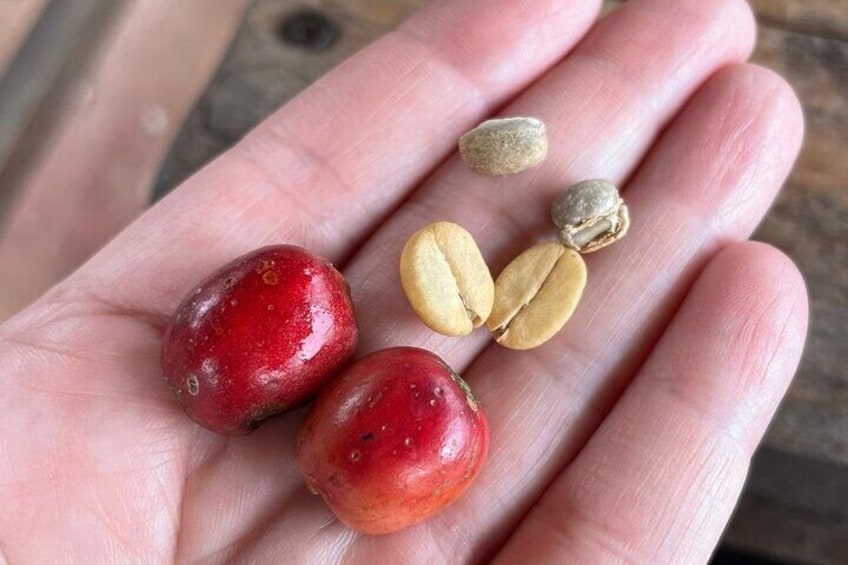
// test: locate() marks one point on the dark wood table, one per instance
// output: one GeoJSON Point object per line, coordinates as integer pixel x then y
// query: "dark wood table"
{"type": "Point", "coordinates": [795, 506]}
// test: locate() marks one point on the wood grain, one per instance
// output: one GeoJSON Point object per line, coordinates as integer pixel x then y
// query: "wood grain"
{"type": "Point", "coordinates": [825, 18]}
{"type": "Point", "coordinates": [793, 509]}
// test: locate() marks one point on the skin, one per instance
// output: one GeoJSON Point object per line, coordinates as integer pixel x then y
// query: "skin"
{"type": "Point", "coordinates": [626, 437]}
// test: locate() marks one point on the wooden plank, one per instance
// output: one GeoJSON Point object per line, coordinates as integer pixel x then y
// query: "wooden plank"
{"type": "Point", "coordinates": [793, 509]}
{"type": "Point", "coordinates": [824, 18]}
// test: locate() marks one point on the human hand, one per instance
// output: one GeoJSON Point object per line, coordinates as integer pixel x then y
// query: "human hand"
{"type": "Point", "coordinates": [625, 438]}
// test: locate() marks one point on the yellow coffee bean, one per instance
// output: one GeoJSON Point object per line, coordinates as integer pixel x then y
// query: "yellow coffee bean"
{"type": "Point", "coordinates": [535, 295]}
{"type": "Point", "coordinates": [446, 279]}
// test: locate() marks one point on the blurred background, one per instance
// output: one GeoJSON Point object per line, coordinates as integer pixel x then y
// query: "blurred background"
{"type": "Point", "coordinates": [105, 105]}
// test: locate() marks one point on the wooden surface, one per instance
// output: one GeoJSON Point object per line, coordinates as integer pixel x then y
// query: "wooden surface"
{"type": "Point", "coordinates": [823, 18]}
{"type": "Point", "coordinates": [795, 503]}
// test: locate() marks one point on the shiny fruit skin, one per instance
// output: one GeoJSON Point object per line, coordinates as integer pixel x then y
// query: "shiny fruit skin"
{"type": "Point", "coordinates": [394, 440]}
{"type": "Point", "coordinates": [259, 336]}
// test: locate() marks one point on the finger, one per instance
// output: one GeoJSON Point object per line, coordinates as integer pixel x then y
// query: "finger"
{"type": "Point", "coordinates": [96, 176]}
{"type": "Point", "coordinates": [709, 180]}
{"type": "Point", "coordinates": [604, 106]}
{"type": "Point", "coordinates": [658, 481]}
{"type": "Point", "coordinates": [324, 169]}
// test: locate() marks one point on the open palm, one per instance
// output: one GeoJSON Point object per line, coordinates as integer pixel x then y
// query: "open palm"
{"type": "Point", "coordinates": [625, 438]}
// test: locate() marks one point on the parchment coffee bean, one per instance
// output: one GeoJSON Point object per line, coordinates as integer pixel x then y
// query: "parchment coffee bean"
{"type": "Point", "coordinates": [590, 215]}
{"type": "Point", "coordinates": [536, 294]}
{"type": "Point", "coordinates": [505, 146]}
{"type": "Point", "coordinates": [446, 279]}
